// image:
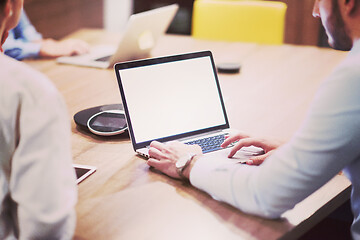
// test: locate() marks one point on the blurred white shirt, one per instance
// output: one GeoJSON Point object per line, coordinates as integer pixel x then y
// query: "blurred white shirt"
{"type": "Point", "coordinates": [37, 181]}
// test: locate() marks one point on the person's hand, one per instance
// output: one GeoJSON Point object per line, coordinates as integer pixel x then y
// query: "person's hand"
{"type": "Point", "coordinates": [164, 156]}
{"type": "Point", "coordinates": [244, 140]}
{"type": "Point", "coordinates": [51, 48]}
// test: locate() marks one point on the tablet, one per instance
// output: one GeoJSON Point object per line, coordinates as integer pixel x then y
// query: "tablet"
{"type": "Point", "coordinates": [83, 171]}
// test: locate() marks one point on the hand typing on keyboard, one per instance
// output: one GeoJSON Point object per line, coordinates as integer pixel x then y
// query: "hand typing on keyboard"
{"type": "Point", "coordinates": [163, 157]}
{"type": "Point", "coordinates": [242, 141]}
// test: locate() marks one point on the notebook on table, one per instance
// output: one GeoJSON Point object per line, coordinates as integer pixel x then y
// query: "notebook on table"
{"type": "Point", "coordinates": [138, 39]}
{"type": "Point", "coordinates": [173, 98]}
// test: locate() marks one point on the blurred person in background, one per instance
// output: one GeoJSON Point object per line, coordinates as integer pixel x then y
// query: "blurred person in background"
{"type": "Point", "coordinates": [25, 42]}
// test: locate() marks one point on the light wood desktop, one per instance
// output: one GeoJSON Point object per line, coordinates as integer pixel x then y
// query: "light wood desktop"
{"type": "Point", "coordinates": [124, 199]}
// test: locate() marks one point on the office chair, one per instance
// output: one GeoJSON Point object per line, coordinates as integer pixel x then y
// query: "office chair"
{"type": "Point", "coordinates": [236, 20]}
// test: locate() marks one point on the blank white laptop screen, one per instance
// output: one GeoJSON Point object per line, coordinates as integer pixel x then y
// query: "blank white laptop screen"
{"type": "Point", "coordinates": [171, 98]}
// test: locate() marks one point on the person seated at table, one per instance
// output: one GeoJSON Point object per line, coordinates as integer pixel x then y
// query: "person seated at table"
{"type": "Point", "coordinates": [327, 142]}
{"type": "Point", "coordinates": [25, 42]}
{"type": "Point", "coordinates": [38, 184]}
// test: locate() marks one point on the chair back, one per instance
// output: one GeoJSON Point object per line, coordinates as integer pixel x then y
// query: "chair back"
{"type": "Point", "coordinates": [237, 20]}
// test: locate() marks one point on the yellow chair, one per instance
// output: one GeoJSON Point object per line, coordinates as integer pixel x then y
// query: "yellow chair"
{"type": "Point", "coordinates": [245, 21]}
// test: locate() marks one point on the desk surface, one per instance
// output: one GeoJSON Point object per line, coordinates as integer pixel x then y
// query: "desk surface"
{"type": "Point", "coordinates": [124, 199]}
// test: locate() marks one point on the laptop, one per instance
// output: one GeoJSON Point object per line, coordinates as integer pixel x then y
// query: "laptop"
{"type": "Point", "coordinates": [139, 38]}
{"type": "Point", "coordinates": [174, 98]}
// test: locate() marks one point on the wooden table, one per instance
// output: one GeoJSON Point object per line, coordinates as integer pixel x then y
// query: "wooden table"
{"type": "Point", "coordinates": [124, 199]}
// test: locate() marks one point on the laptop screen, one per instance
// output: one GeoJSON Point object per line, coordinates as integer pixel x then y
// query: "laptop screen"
{"type": "Point", "coordinates": [169, 97]}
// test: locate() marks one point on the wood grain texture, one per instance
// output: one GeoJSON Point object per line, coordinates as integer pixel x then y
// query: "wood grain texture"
{"type": "Point", "coordinates": [124, 199]}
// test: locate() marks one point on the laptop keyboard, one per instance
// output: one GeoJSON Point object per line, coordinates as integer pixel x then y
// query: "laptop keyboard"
{"type": "Point", "coordinates": [103, 59]}
{"type": "Point", "coordinates": [209, 144]}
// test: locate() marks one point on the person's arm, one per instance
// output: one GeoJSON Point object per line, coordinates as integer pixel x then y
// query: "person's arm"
{"type": "Point", "coordinates": [20, 49]}
{"type": "Point", "coordinates": [327, 141]}
{"type": "Point", "coordinates": [25, 30]}
{"type": "Point", "coordinates": [51, 48]}
{"type": "Point", "coordinates": [42, 181]}
{"type": "Point", "coordinates": [23, 41]}
{"type": "Point", "coordinates": [45, 48]}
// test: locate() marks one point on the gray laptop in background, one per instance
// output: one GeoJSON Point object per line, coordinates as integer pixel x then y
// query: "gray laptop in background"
{"type": "Point", "coordinates": [173, 98]}
{"type": "Point", "coordinates": [138, 39]}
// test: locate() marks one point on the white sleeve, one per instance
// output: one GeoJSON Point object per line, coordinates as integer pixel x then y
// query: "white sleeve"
{"type": "Point", "coordinates": [42, 181]}
{"type": "Point", "coordinates": [328, 140]}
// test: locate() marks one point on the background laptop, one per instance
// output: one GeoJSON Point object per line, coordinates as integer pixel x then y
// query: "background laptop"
{"type": "Point", "coordinates": [140, 36]}
{"type": "Point", "coordinates": [172, 98]}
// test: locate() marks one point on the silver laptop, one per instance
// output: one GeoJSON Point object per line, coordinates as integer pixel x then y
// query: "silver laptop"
{"type": "Point", "coordinates": [139, 37]}
{"type": "Point", "coordinates": [174, 98]}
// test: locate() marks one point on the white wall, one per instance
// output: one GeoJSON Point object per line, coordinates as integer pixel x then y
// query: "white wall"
{"type": "Point", "coordinates": [116, 14]}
